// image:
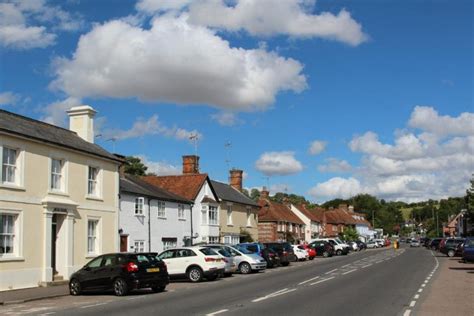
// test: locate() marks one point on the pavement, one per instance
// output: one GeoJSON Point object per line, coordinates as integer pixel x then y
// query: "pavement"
{"type": "Point", "coordinates": [32, 294]}
{"type": "Point", "coordinates": [452, 291]}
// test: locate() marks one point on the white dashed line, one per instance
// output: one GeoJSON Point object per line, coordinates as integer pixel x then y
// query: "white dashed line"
{"type": "Point", "coordinates": [309, 280]}
{"type": "Point", "coordinates": [417, 296]}
{"type": "Point", "coordinates": [350, 271]}
{"type": "Point", "coordinates": [217, 312]}
{"type": "Point", "coordinates": [323, 280]}
{"type": "Point", "coordinates": [346, 265]}
{"type": "Point", "coordinates": [274, 294]}
{"type": "Point", "coordinates": [329, 272]}
{"type": "Point", "coordinates": [94, 305]}
{"type": "Point", "coordinates": [407, 313]}
{"type": "Point", "coordinates": [412, 303]}
{"type": "Point", "coordinates": [420, 290]}
{"type": "Point", "coordinates": [367, 265]}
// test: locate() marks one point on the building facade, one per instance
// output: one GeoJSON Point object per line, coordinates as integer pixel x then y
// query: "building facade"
{"type": "Point", "coordinates": [312, 221]}
{"type": "Point", "coordinates": [58, 199]}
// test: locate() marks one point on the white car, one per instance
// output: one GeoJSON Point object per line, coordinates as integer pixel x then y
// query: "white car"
{"type": "Point", "coordinates": [301, 254]}
{"type": "Point", "coordinates": [194, 263]}
{"type": "Point", "coordinates": [340, 248]}
{"type": "Point", "coordinates": [371, 244]}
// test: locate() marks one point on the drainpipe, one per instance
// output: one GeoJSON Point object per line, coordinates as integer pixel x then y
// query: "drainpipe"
{"type": "Point", "coordinates": [191, 216]}
{"type": "Point", "coordinates": [149, 224]}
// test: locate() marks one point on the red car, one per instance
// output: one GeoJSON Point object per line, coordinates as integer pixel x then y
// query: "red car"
{"type": "Point", "coordinates": [311, 251]}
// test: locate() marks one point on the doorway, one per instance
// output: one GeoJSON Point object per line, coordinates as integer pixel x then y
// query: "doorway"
{"type": "Point", "coordinates": [123, 243]}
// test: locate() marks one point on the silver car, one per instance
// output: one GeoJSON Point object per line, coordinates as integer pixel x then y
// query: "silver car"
{"type": "Point", "coordinates": [245, 261]}
{"type": "Point", "coordinates": [230, 266]}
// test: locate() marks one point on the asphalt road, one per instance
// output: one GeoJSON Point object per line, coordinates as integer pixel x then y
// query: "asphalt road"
{"type": "Point", "coordinates": [372, 282]}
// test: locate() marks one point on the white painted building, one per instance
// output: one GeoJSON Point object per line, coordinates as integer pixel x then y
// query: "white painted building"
{"type": "Point", "coordinates": [151, 219]}
{"type": "Point", "coordinates": [312, 221]}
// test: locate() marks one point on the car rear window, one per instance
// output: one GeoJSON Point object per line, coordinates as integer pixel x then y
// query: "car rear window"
{"type": "Point", "coordinates": [244, 250]}
{"type": "Point", "coordinates": [208, 251]}
{"type": "Point", "coordinates": [224, 252]}
{"type": "Point", "coordinates": [145, 258]}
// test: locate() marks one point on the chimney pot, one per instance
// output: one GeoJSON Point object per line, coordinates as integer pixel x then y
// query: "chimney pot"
{"type": "Point", "coordinates": [191, 164]}
{"type": "Point", "coordinates": [265, 193]}
{"type": "Point", "coordinates": [236, 179]}
{"type": "Point", "coordinates": [81, 121]}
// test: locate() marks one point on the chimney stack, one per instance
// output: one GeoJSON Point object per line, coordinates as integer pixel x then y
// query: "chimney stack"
{"type": "Point", "coordinates": [236, 179]}
{"type": "Point", "coordinates": [265, 193]}
{"type": "Point", "coordinates": [191, 164]}
{"type": "Point", "coordinates": [81, 121]}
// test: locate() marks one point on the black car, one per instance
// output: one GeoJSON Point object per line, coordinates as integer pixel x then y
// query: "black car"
{"type": "Point", "coordinates": [450, 247]}
{"type": "Point", "coordinates": [271, 257]}
{"type": "Point", "coordinates": [121, 272]}
{"type": "Point", "coordinates": [434, 243]}
{"type": "Point", "coordinates": [284, 252]}
{"type": "Point", "coordinates": [323, 248]}
{"type": "Point", "coordinates": [426, 243]}
{"type": "Point", "coordinates": [362, 245]}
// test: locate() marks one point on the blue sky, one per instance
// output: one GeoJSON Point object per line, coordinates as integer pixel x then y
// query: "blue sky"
{"type": "Point", "coordinates": [382, 88]}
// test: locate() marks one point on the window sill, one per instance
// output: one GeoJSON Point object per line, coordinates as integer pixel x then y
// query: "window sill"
{"type": "Point", "coordinates": [230, 225]}
{"type": "Point", "coordinates": [161, 217]}
{"type": "Point", "coordinates": [94, 198]}
{"type": "Point", "coordinates": [6, 259]}
{"type": "Point", "coordinates": [249, 226]}
{"type": "Point", "coordinates": [12, 187]}
{"type": "Point", "coordinates": [61, 193]}
{"type": "Point", "coordinates": [182, 219]}
{"type": "Point", "coordinates": [91, 255]}
{"type": "Point", "coordinates": [139, 215]}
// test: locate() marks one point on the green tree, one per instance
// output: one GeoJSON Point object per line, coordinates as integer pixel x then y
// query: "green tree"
{"type": "Point", "coordinates": [135, 166]}
{"type": "Point", "coordinates": [349, 234]}
{"type": "Point", "coordinates": [469, 200]}
{"type": "Point", "coordinates": [254, 194]}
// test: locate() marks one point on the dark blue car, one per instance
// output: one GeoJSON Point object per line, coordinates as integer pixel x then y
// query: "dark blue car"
{"type": "Point", "coordinates": [468, 251]}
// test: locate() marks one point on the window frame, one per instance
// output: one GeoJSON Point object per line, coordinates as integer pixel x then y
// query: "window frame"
{"type": "Point", "coordinates": [161, 209]}
{"type": "Point", "coordinates": [98, 236]}
{"type": "Point", "coordinates": [19, 166]}
{"type": "Point", "coordinates": [142, 200]}
{"type": "Point", "coordinates": [181, 212]}
{"type": "Point", "coordinates": [17, 253]}
{"type": "Point", "coordinates": [249, 215]}
{"type": "Point", "coordinates": [229, 214]}
{"type": "Point", "coordinates": [141, 247]}
{"type": "Point", "coordinates": [98, 182]}
{"type": "Point", "coordinates": [211, 220]}
{"type": "Point", "coordinates": [172, 241]}
{"type": "Point", "coordinates": [64, 176]}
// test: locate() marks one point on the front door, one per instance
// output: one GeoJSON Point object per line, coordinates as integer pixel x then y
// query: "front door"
{"type": "Point", "coordinates": [123, 243]}
{"type": "Point", "coordinates": [53, 243]}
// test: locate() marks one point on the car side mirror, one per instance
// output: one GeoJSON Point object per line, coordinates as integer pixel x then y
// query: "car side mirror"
{"type": "Point", "coordinates": [86, 268]}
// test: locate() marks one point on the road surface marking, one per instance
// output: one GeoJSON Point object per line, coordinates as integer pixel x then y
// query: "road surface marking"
{"type": "Point", "coordinates": [417, 296]}
{"type": "Point", "coordinates": [420, 290]}
{"type": "Point", "coordinates": [323, 280]}
{"type": "Point", "coordinates": [329, 272]}
{"type": "Point", "coordinates": [277, 293]}
{"type": "Point", "coordinates": [50, 313]}
{"type": "Point", "coordinates": [350, 271]}
{"type": "Point", "coordinates": [407, 313]}
{"type": "Point", "coordinates": [217, 312]}
{"type": "Point", "coordinates": [423, 285]}
{"type": "Point", "coordinates": [308, 280]}
{"type": "Point", "coordinates": [367, 265]}
{"type": "Point", "coordinates": [379, 261]}
{"type": "Point", "coordinates": [346, 265]}
{"type": "Point", "coordinates": [412, 303]}
{"type": "Point", "coordinates": [93, 305]}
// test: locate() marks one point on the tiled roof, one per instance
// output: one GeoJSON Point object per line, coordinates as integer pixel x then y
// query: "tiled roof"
{"type": "Point", "coordinates": [227, 193]}
{"type": "Point", "coordinates": [27, 127]}
{"type": "Point", "coordinates": [186, 185]}
{"type": "Point", "coordinates": [312, 215]}
{"type": "Point", "coordinates": [135, 185]}
{"type": "Point", "coordinates": [273, 212]}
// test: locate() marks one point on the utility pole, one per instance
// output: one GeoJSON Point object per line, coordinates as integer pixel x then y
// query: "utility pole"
{"type": "Point", "coordinates": [227, 146]}
{"type": "Point", "coordinates": [373, 219]}
{"type": "Point", "coordinates": [194, 138]}
{"type": "Point", "coordinates": [437, 225]}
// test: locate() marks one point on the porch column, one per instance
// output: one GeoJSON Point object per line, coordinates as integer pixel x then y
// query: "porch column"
{"type": "Point", "coordinates": [69, 244]}
{"type": "Point", "coordinates": [48, 222]}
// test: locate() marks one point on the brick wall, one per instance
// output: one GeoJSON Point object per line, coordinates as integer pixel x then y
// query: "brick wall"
{"type": "Point", "coordinates": [267, 231]}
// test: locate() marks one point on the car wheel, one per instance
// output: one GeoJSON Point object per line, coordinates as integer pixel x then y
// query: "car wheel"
{"type": "Point", "coordinates": [325, 254]}
{"type": "Point", "coordinates": [75, 287]}
{"type": "Point", "coordinates": [120, 287]}
{"type": "Point", "coordinates": [293, 258]}
{"type": "Point", "coordinates": [158, 289]}
{"type": "Point", "coordinates": [339, 252]}
{"type": "Point", "coordinates": [451, 253]}
{"type": "Point", "coordinates": [195, 274]}
{"type": "Point", "coordinates": [311, 258]}
{"type": "Point", "coordinates": [285, 264]}
{"type": "Point", "coordinates": [245, 268]}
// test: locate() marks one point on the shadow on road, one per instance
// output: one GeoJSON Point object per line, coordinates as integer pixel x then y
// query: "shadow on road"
{"type": "Point", "coordinates": [462, 269]}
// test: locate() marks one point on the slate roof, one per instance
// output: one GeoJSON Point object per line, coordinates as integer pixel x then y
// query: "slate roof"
{"type": "Point", "coordinates": [273, 212]}
{"type": "Point", "coordinates": [228, 193]}
{"type": "Point", "coordinates": [19, 125]}
{"type": "Point", "coordinates": [186, 185]}
{"type": "Point", "coordinates": [135, 185]}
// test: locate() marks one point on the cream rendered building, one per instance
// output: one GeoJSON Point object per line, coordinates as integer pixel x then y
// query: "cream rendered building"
{"type": "Point", "coordinates": [58, 199]}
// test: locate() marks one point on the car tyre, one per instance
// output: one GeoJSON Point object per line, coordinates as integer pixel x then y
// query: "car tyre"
{"type": "Point", "coordinates": [325, 254]}
{"type": "Point", "coordinates": [195, 274]}
{"type": "Point", "coordinates": [339, 252]}
{"type": "Point", "coordinates": [451, 253]}
{"type": "Point", "coordinates": [293, 258]}
{"type": "Point", "coordinates": [120, 287]}
{"type": "Point", "coordinates": [311, 258]}
{"type": "Point", "coordinates": [245, 268]}
{"type": "Point", "coordinates": [285, 264]}
{"type": "Point", "coordinates": [75, 287]}
{"type": "Point", "coordinates": [158, 288]}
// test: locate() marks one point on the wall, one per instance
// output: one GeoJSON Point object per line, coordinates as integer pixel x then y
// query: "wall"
{"type": "Point", "coordinates": [267, 231]}
{"type": "Point", "coordinates": [239, 220]}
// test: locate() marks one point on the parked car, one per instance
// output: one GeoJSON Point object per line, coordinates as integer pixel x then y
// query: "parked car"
{"type": "Point", "coordinates": [371, 244]}
{"type": "Point", "coordinates": [427, 242]}
{"type": "Point", "coordinates": [449, 245]}
{"type": "Point", "coordinates": [311, 252]}
{"type": "Point", "coordinates": [230, 266]}
{"type": "Point", "coordinates": [322, 248]}
{"type": "Point", "coordinates": [434, 243]}
{"type": "Point", "coordinates": [339, 247]}
{"type": "Point", "coordinates": [301, 254]}
{"type": "Point", "coordinates": [194, 263]}
{"type": "Point", "coordinates": [468, 250]}
{"type": "Point", "coordinates": [247, 261]}
{"type": "Point", "coordinates": [120, 272]}
{"type": "Point", "coordinates": [270, 256]}
{"type": "Point", "coordinates": [353, 245]}
{"type": "Point", "coordinates": [362, 245]}
{"type": "Point", "coordinates": [415, 243]}
{"type": "Point", "coordinates": [285, 253]}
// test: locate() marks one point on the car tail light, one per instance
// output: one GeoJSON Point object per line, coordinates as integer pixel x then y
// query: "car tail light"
{"type": "Point", "coordinates": [209, 259]}
{"type": "Point", "coordinates": [285, 253]}
{"type": "Point", "coordinates": [225, 260]}
{"type": "Point", "coordinates": [131, 267]}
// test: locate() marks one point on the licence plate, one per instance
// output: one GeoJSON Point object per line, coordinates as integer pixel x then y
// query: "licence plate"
{"type": "Point", "coordinates": [153, 270]}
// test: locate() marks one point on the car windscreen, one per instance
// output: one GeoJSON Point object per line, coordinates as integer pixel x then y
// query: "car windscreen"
{"type": "Point", "coordinates": [243, 250]}
{"type": "Point", "coordinates": [208, 251]}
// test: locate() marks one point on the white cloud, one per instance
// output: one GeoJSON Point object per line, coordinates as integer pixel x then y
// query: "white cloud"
{"type": "Point", "coordinates": [226, 118]}
{"type": "Point", "coordinates": [160, 168]}
{"type": "Point", "coordinates": [335, 165]}
{"type": "Point", "coordinates": [316, 147]}
{"type": "Point", "coordinates": [278, 163]}
{"type": "Point", "coordinates": [336, 188]}
{"type": "Point", "coordinates": [32, 24]}
{"type": "Point", "coordinates": [9, 98]}
{"type": "Point", "coordinates": [266, 18]}
{"type": "Point", "coordinates": [178, 63]}
{"type": "Point", "coordinates": [55, 113]}
{"type": "Point", "coordinates": [433, 164]}
{"type": "Point", "coordinates": [428, 119]}
{"type": "Point", "coordinates": [152, 126]}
